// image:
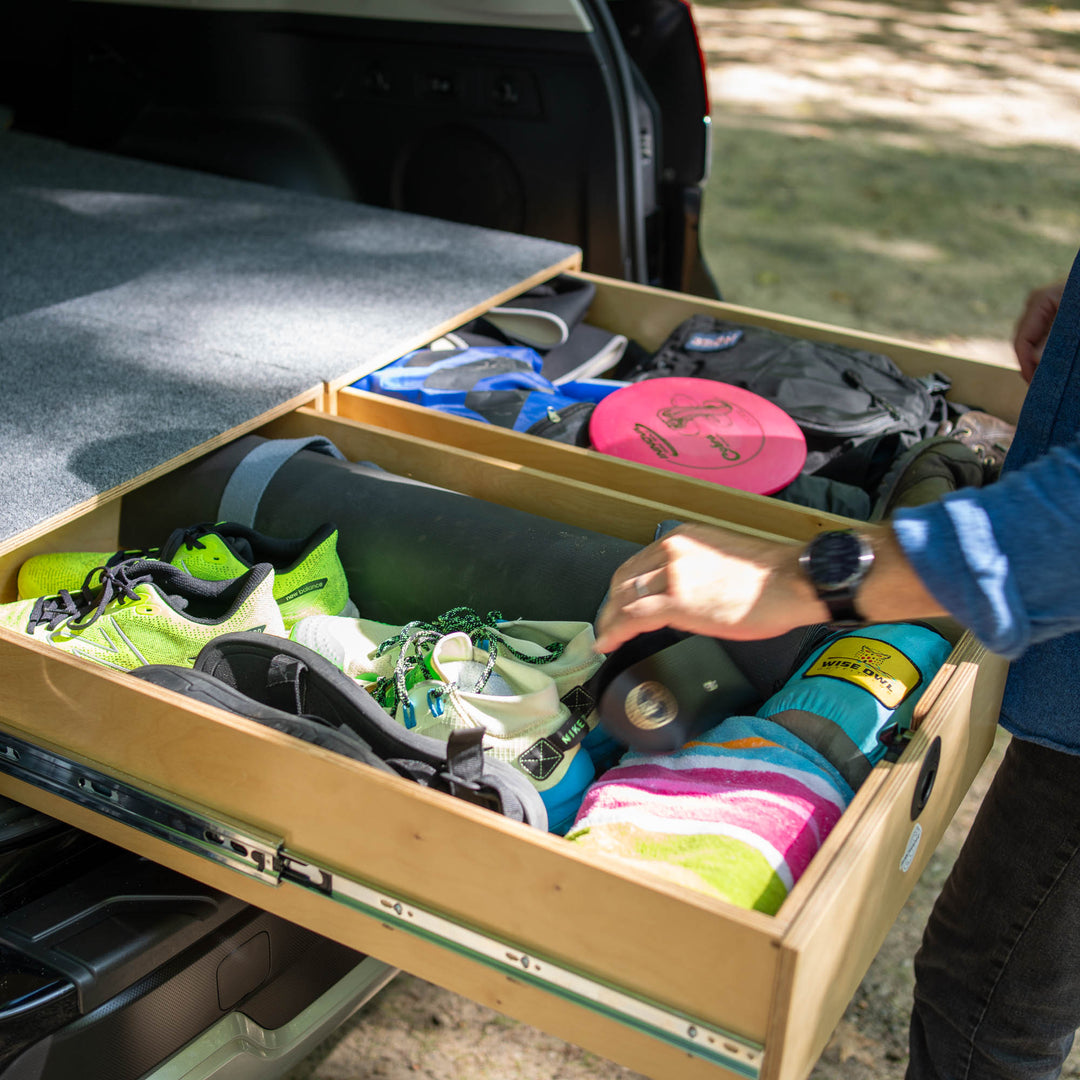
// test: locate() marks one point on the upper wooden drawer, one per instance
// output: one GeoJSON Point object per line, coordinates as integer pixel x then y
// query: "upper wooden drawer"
{"type": "Point", "coordinates": [648, 316]}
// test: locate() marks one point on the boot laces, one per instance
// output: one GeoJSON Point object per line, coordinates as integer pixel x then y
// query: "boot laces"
{"type": "Point", "coordinates": [416, 640]}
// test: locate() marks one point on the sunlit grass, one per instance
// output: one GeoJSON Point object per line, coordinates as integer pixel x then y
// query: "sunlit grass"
{"type": "Point", "coordinates": [942, 240]}
{"type": "Point", "coordinates": [907, 169]}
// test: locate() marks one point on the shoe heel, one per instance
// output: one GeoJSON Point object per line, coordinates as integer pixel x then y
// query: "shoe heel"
{"type": "Point", "coordinates": [350, 610]}
{"type": "Point", "coordinates": [562, 800]}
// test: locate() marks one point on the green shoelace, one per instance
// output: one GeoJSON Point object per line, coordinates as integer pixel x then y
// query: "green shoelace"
{"type": "Point", "coordinates": [416, 638]}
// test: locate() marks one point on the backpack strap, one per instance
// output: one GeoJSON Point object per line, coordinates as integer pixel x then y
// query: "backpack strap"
{"type": "Point", "coordinates": [464, 772]}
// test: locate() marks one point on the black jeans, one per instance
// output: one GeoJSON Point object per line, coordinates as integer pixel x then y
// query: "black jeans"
{"type": "Point", "coordinates": [997, 991]}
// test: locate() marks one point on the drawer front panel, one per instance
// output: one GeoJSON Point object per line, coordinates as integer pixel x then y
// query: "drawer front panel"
{"type": "Point", "coordinates": [594, 1028]}
{"type": "Point", "coordinates": [528, 889]}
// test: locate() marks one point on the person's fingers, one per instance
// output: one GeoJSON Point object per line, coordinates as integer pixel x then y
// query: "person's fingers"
{"type": "Point", "coordinates": [641, 563]}
{"type": "Point", "coordinates": [1033, 327]}
{"type": "Point", "coordinates": [1027, 339]}
{"type": "Point", "coordinates": [1028, 364]}
{"type": "Point", "coordinates": [635, 605]}
{"type": "Point", "coordinates": [1028, 343]}
{"type": "Point", "coordinates": [646, 583]}
{"type": "Point", "coordinates": [617, 625]}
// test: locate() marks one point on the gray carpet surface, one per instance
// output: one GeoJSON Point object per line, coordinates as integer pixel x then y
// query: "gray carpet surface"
{"type": "Point", "coordinates": [145, 309]}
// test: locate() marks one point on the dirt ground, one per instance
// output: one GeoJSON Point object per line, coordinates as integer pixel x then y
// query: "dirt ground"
{"type": "Point", "coordinates": [907, 169]}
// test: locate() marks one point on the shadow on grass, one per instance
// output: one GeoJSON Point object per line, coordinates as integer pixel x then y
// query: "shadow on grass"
{"type": "Point", "coordinates": [886, 228]}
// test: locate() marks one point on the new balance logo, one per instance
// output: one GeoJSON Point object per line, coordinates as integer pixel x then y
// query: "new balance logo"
{"type": "Point", "coordinates": [309, 586]}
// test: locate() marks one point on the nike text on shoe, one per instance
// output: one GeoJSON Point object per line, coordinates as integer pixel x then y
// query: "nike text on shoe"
{"type": "Point", "coordinates": [147, 612]}
{"type": "Point", "coordinates": [437, 682]}
{"type": "Point", "coordinates": [308, 576]}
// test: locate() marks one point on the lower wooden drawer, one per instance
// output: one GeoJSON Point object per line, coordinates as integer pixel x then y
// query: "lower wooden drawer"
{"type": "Point", "coordinates": [667, 981]}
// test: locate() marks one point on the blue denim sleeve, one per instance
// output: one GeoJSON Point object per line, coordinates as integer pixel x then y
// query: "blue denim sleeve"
{"type": "Point", "coordinates": [1004, 560]}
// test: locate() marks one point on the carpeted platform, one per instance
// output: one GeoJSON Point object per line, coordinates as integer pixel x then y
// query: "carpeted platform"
{"type": "Point", "coordinates": [145, 309]}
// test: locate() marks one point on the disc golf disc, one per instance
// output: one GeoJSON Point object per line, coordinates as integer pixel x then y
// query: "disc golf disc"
{"type": "Point", "coordinates": [698, 427]}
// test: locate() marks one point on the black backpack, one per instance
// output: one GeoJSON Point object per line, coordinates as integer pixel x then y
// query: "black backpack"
{"type": "Point", "coordinates": [839, 396]}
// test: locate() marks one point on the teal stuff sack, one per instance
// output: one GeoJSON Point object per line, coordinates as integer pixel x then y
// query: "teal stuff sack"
{"type": "Point", "coordinates": [855, 687]}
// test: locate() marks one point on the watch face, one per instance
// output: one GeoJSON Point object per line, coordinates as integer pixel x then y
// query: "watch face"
{"type": "Point", "coordinates": [835, 560]}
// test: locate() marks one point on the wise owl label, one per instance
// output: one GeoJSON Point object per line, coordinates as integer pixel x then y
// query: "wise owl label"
{"type": "Point", "coordinates": [879, 668]}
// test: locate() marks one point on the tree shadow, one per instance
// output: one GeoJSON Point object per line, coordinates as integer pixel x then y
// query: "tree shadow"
{"type": "Point", "coordinates": [847, 223]}
{"type": "Point", "coordinates": [983, 40]}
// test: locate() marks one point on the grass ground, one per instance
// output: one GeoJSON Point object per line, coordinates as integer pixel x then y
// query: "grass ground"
{"type": "Point", "coordinates": [907, 169]}
{"type": "Point", "coordinates": [911, 169]}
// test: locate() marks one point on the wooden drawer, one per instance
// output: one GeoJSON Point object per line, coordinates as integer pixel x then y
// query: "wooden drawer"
{"type": "Point", "coordinates": [647, 316]}
{"type": "Point", "coordinates": [667, 981]}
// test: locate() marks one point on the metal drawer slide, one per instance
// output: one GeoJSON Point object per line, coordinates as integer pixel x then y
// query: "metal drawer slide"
{"type": "Point", "coordinates": [266, 858]}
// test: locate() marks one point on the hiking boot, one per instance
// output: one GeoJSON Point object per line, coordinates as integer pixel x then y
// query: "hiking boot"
{"type": "Point", "coordinates": [988, 436]}
{"type": "Point", "coordinates": [927, 471]}
{"type": "Point", "coordinates": [146, 612]}
{"type": "Point", "coordinates": [436, 678]}
{"type": "Point", "coordinates": [291, 689]}
{"type": "Point", "coordinates": [308, 576]}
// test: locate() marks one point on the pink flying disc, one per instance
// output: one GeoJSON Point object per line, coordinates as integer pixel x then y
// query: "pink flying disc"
{"type": "Point", "coordinates": [698, 427]}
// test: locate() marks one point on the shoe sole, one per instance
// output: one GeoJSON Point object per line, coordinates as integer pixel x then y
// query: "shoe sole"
{"type": "Point", "coordinates": [245, 659]}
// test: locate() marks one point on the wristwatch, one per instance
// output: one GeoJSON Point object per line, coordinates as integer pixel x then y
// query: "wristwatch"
{"type": "Point", "coordinates": [836, 563]}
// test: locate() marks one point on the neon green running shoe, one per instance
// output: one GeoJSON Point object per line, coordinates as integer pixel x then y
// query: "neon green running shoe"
{"type": "Point", "coordinates": [147, 612]}
{"type": "Point", "coordinates": [460, 672]}
{"type": "Point", "coordinates": [308, 576]}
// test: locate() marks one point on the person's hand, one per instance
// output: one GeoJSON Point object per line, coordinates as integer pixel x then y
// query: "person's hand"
{"type": "Point", "coordinates": [1033, 327]}
{"type": "Point", "coordinates": [708, 580]}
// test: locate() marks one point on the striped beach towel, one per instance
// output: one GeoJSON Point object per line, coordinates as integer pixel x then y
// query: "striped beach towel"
{"type": "Point", "coordinates": [740, 811]}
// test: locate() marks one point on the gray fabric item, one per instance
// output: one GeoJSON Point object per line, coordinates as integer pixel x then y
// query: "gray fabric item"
{"type": "Point", "coordinates": [829, 739]}
{"type": "Point", "coordinates": [146, 310]}
{"type": "Point", "coordinates": [240, 499]}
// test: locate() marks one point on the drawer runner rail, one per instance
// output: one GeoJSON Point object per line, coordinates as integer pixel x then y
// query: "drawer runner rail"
{"type": "Point", "coordinates": [266, 858]}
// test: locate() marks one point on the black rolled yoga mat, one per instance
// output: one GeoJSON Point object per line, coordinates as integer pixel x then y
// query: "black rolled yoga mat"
{"type": "Point", "coordinates": [410, 551]}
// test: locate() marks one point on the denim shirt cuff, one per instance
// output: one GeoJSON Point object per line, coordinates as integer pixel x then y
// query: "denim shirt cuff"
{"type": "Point", "coordinates": [952, 547]}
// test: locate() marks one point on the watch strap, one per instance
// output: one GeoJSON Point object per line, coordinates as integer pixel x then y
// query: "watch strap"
{"type": "Point", "coordinates": [842, 610]}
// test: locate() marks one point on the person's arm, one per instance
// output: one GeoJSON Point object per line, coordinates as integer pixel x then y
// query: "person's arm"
{"type": "Point", "coordinates": [1003, 560]}
{"type": "Point", "coordinates": [714, 581]}
{"type": "Point", "coordinates": [1033, 326]}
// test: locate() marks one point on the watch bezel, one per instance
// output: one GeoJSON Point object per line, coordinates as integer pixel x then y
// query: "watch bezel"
{"type": "Point", "coordinates": [816, 567]}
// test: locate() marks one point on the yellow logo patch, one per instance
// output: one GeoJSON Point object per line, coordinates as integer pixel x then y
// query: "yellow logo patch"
{"type": "Point", "coordinates": [877, 667]}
